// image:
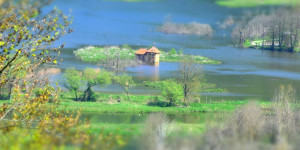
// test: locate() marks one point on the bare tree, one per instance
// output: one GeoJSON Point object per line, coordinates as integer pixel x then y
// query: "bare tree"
{"type": "Point", "coordinates": [189, 76]}
{"type": "Point", "coordinates": [276, 31]}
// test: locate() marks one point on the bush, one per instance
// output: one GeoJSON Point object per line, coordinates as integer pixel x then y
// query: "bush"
{"type": "Point", "coordinates": [172, 91]}
{"type": "Point", "coordinates": [73, 81]}
{"type": "Point", "coordinates": [172, 52]}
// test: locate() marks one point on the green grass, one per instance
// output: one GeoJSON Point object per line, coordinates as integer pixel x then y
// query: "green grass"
{"type": "Point", "coordinates": [254, 3]}
{"type": "Point", "coordinates": [178, 58]}
{"type": "Point", "coordinates": [117, 129]}
{"type": "Point", "coordinates": [107, 103]}
{"type": "Point", "coordinates": [257, 43]}
{"type": "Point", "coordinates": [96, 54]}
{"type": "Point", "coordinates": [215, 113]}
{"type": "Point", "coordinates": [129, 130]}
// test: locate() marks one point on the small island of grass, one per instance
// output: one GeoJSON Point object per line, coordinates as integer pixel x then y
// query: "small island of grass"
{"type": "Point", "coordinates": [255, 3]}
{"type": "Point", "coordinates": [100, 54]}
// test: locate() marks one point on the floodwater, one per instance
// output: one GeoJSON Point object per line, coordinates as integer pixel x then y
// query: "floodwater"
{"type": "Point", "coordinates": [245, 73]}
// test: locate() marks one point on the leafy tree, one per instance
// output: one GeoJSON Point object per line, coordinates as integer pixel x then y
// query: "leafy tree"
{"type": "Point", "coordinates": [94, 78]}
{"type": "Point", "coordinates": [73, 81]}
{"type": "Point", "coordinates": [28, 121]}
{"type": "Point", "coordinates": [172, 91]}
{"type": "Point", "coordinates": [24, 33]}
{"type": "Point", "coordinates": [172, 52]}
{"type": "Point", "coordinates": [125, 81]}
{"type": "Point", "coordinates": [14, 78]}
{"type": "Point", "coordinates": [189, 77]}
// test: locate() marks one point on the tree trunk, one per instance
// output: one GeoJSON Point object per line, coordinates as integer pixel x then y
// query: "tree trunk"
{"type": "Point", "coordinates": [273, 41]}
{"type": "Point", "coordinates": [76, 95]}
{"type": "Point", "coordinates": [127, 93]}
{"type": "Point", "coordinates": [185, 92]}
{"type": "Point", "coordinates": [87, 96]}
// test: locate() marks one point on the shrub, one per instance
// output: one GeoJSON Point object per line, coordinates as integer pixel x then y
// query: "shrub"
{"type": "Point", "coordinates": [172, 52]}
{"type": "Point", "coordinates": [73, 81]}
{"type": "Point", "coordinates": [172, 91]}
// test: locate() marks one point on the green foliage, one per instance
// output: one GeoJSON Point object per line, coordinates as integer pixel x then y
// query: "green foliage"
{"type": "Point", "coordinates": [125, 81]}
{"type": "Point", "coordinates": [255, 3]}
{"type": "Point", "coordinates": [190, 78]}
{"type": "Point", "coordinates": [172, 52]}
{"type": "Point", "coordinates": [94, 78]}
{"type": "Point", "coordinates": [73, 81]}
{"type": "Point", "coordinates": [179, 58]}
{"type": "Point", "coordinates": [100, 54]}
{"type": "Point", "coordinates": [181, 52]}
{"type": "Point", "coordinates": [247, 43]}
{"type": "Point", "coordinates": [31, 122]}
{"type": "Point", "coordinates": [97, 54]}
{"type": "Point", "coordinates": [126, 46]}
{"type": "Point", "coordinates": [97, 77]}
{"type": "Point", "coordinates": [172, 91]}
{"type": "Point", "coordinates": [137, 104]}
{"type": "Point", "coordinates": [25, 35]}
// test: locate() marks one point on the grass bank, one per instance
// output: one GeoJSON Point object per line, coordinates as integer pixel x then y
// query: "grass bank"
{"type": "Point", "coordinates": [98, 54]}
{"type": "Point", "coordinates": [139, 105]}
{"type": "Point", "coordinates": [254, 3]}
{"type": "Point", "coordinates": [118, 103]}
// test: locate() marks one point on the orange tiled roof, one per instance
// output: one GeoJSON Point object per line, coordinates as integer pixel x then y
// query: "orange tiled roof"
{"type": "Point", "coordinates": [141, 51]}
{"type": "Point", "coordinates": [154, 50]}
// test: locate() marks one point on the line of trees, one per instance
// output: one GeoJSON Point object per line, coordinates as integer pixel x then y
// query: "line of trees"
{"type": "Point", "coordinates": [185, 86]}
{"type": "Point", "coordinates": [276, 31]}
{"type": "Point", "coordinates": [90, 78]}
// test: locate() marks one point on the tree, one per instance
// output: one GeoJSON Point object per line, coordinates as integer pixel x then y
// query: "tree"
{"type": "Point", "coordinates": [125, 81]}
{"type": "Point", "coordinates": [278, 31]}
{"type": "Point", "coordinates": [172, 52]}
{"type": "Point", "coordinates": [28, 121]}
{"type": "Point", "coordinates": [24, 33]}
{"type": "Point", "coordinates": [172, 91]}
{"type": "Point", "coordinates": [94, 78]}
{"type": "Point", "coordinates": [189, 77]}
{"type": "Point", "coordinates": [73, 81]}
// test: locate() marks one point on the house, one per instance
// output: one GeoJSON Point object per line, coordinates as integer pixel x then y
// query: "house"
{"type": "Point", "coordinates": [150, 56]}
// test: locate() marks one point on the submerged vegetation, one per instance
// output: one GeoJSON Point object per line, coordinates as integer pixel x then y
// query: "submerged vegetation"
{"type": "Point", "coordinates": [278, 31]}
{"type": "Point", "coordinates": [125, 56]}
{"type": "Point", "coordinates": [190, 28]}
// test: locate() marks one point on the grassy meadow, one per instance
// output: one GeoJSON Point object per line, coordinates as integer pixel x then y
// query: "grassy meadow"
{"type": "Point", "coordinates": [255, 3]}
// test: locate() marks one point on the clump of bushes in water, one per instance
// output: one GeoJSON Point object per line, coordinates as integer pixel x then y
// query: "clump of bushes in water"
{"type": "Point", "coordinates": [113, 57]}
{"type": "Point", "coordinates": [190, 28]}
{"type": "Point", "coordinates": [278, 31]}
